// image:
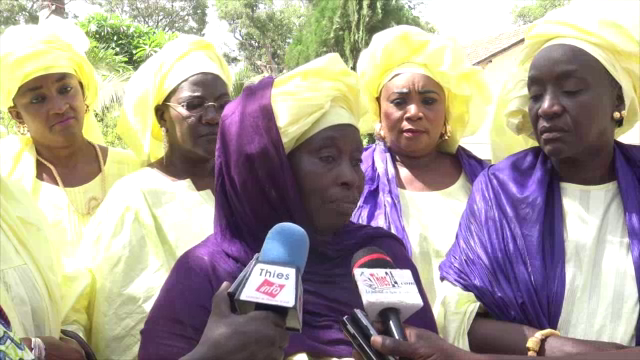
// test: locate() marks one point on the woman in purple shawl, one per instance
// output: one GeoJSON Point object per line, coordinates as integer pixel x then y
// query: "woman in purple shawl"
{"type": "Point", "coordinates": [423, 96]}
{"type": "Point", "coordinates": [550, 238]}
{"type": "Point", "coordinates": [288, 150]}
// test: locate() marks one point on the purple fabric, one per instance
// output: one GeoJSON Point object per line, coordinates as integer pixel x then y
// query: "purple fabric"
{"type": "Point", "coordinates": [380, 203]}
{"type": "Point", "coordinates": [509, 250]}
{"type": "Point", "coordinates": [255, 190]}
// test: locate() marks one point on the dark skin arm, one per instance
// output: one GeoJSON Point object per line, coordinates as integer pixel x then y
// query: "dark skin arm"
{"type": "Point", "coordinates": [58, 349]}
{"type": "Point", "coordinates": [425, 345]}
{"type": "Point", "coordinates": [499, 337]}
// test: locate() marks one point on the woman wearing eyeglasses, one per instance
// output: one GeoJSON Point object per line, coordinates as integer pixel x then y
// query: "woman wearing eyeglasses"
{"type": "Point", "coordinates": [172, 107]}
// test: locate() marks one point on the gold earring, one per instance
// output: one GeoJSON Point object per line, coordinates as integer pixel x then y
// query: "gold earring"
{"type": "Point", "coordinates": [623, 114]}
{"type": "Point", "coordinates": [446, 131]}
{"type": "Point", "coordinates": [86, 109]}
{"type": "Point", "coordinates": [22, 129]}
{"type": "Point", "coordinates": [616, 115]}
{"type": "Point", "coordinates": [165, 142]}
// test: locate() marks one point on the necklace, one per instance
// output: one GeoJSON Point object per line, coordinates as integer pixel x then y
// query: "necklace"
{"type": "Point", "coordinates": [93, 202]}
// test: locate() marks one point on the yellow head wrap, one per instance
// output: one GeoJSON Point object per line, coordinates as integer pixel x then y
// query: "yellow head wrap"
{"type": "Point", "coordinates": [178, 60]}
{"type": "Point", "coordinates": [312, 97]}
{"type": "Point", "coordinates": [404, 49]}
{"type": "Point", "coordinates": [54, 46]}
{"type": "Point", "coordinates": [610, 32]}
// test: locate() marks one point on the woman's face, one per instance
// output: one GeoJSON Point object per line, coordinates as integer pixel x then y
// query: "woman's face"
{"type": "Point", "coordinates": [412, 113]}
{"type": "Point", "coordinates": [52, 106]}
{"type": "Point", "coordinates": [195, 134]}
{"type": "Point", "coordinates": [327, 170]}
{"type": "Point", "coordinates": [572, 100]}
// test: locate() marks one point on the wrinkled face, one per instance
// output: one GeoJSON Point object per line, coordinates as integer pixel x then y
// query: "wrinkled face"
{"type": "Point", "coordinates": [195, 134]}
{"type": "Point", "coordinates": [412, 112]}
{"type": "Point", "coordinates": [327, 170]}
{"type": "Point", "coordinates": [52, 106]}
{"type": "Point", "coordinates": [572, 100]}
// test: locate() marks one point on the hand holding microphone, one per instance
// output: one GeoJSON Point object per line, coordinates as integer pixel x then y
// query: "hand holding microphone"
{"type": "Point", "coordinates": [257, 335]}
{"type": "Point", "coordinates": [250, 319]}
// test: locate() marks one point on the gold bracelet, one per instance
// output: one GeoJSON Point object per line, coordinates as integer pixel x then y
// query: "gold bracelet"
{"type": "Point", "coordinates": [534, 342]}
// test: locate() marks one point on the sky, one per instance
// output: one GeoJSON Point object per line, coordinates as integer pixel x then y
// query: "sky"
{"type": "Point", "coordinates": [469, 20]}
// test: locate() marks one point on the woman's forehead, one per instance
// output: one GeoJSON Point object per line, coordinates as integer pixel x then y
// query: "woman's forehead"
{"type": "Point", "coordinates": [564, 59]}
{"type": "Point", "coordinates": [412, 81]}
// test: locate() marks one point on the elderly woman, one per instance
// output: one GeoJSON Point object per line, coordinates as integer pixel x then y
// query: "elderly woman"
{"type": "Point", "coordinates": [289, 151]}
{"type": "Point", "coordinates": [423, 97]}
{"type": "Point", "coordinates": [48, 86]}
{"type": "Point", "coordinates": [155, 214]}
{"type": "Point", "coordinates": [32, 302]}
{"type": "Point", "coordinates": [550, 238]}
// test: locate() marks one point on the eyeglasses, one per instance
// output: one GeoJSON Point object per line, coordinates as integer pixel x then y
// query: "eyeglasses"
{"type": "Point", "coordinates": [195, 107]}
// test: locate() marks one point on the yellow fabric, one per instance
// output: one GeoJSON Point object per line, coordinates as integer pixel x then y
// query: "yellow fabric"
{"type": "Point", "coordinates": [302, 97]}
{"type": "Point", "coordinates": [608, 31]}
{"type": "Point", "coordinates": [67, 226]}
{"type": "Point", "coordinates": [599, 272]}
{"type": "Point", "coordinates": [53, 46]}
{"type": "Point", "coordinates": [178, 60]}
{"type": "Point", "coordinates": [431, 220]}
{"type": "Point", "coordinates": [143, 226]}
{"type": "Point", "coordinates": [404, 49]}
{"type": "Point", "coordinates": [29, 267]}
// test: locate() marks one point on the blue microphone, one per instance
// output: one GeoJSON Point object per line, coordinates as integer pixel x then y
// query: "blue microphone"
{"type": "Point", "coordinates": [286, 244]}
{"type": "Point", "coordinates": [273, 279]}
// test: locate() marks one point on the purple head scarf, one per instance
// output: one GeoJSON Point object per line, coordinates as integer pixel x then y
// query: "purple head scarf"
{"type": "Point", "coordinates": [509, 251]}
{"type": "Point", "coordinates": [255, 190]}
{"type": "Point", "coordinates": [380, 203]}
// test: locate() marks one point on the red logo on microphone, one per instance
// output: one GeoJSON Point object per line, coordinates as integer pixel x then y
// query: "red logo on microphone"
{"type": "Point", "coordinates": [270, 288]}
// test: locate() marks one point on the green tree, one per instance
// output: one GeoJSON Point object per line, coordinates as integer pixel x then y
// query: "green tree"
{"type": "Point", "coordinates": [119, 45]}
{"type": "Point", "coordinates": [263, 29]}
{"type": "Point", "coordinates": [183, 16]}
{"type": "Point", "coordinates": [527, 14]}
{"type": "Point", "coordinates": [15, 12]}
{"type": "Point", "coordinates": [346, 27]}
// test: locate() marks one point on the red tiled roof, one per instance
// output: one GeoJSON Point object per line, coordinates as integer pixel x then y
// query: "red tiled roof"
{"type": "Point", "coordinates": [486, 48]}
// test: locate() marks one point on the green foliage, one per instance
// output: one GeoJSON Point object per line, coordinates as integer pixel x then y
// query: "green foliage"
{"type": "Point", "coordinates": [7, 124]}
{"type": "Point", "coordinates": [527, 14]}
{"type": "Point", "coordinates": [108, 106]}
{"type": "Point", "coordinates": [346, 27]}
{"type": "Point", "coordinates": [368, 139]}
{"type": "Point", "coordinates": [263, 29]}
{"type": "Point", "coordinates": [240, 79]}
{"type": "Point", "coordinates": [15, 12]}
{"type": "Point", "coordinates": [183, 16]}
{"type": "Point", "coordinates": [119, 45]}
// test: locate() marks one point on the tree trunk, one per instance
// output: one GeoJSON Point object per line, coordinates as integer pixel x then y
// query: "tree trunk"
{"type": "Point", "coordinates": [50, 8]}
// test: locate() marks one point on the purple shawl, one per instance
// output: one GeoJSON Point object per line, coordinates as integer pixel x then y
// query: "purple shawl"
{"type": "Point", "coordinates": [255, 190]}
{"type": "Point", "coordinates": [380, 203]}
{"type": "Point", "coordinates": [509, 250]}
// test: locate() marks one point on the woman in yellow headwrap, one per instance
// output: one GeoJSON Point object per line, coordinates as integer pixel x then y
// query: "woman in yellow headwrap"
{"type": "Point", "coordinates": [48, 86]}
{"type": "Point", "coordinates": [422, 96]}
{"type": "Point", "coordinates": [30, 273]}
{"type": "Point", "coordinates": [289, 151]}
{"type": "Point", "coordinates": [550, 238]}
{"type": "Point", "coordinates": [155, 214]}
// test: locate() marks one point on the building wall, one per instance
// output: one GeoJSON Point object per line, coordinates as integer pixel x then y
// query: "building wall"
{"type": "Point", "coordinates": [496, 71]}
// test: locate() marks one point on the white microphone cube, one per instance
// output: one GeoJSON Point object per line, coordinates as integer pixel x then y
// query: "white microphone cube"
{"type": "Point", "coordinates": [388, 288]}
